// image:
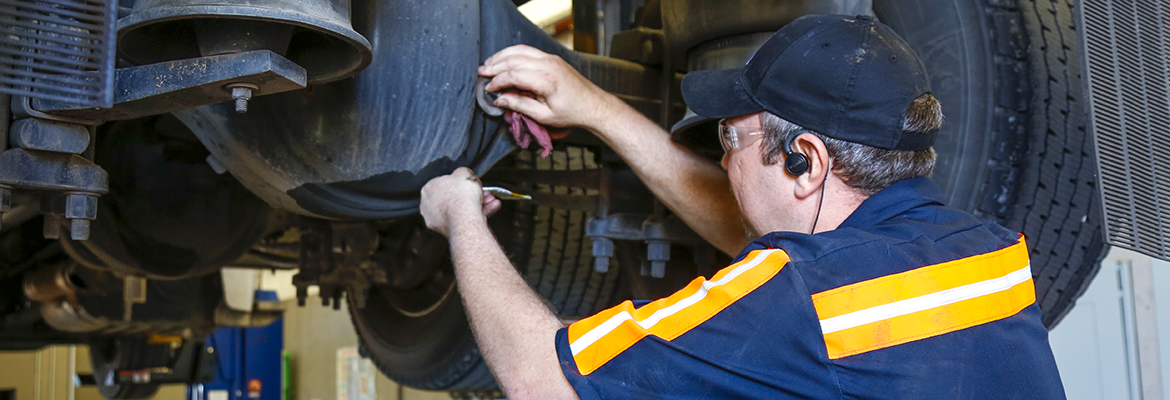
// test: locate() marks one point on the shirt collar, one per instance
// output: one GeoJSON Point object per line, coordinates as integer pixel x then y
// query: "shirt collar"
{"type": "Point", "coordinates": [894, 200]}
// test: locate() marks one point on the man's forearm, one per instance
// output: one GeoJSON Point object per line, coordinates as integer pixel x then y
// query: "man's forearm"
{"type": "Point", "coordinates": [513, 327]}
{"type": "Point", "coordinates": [696, 189]}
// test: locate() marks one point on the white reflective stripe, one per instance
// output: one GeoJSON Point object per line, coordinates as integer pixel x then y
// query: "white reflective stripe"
{"type": "Point", "coordinates": [613, 322]}
{"type": "Point", "coordinates": [926, 301]}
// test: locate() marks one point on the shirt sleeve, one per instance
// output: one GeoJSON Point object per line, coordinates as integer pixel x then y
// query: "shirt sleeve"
{"type": "Point", "coordinates": [712, 339]}
{"type": "Point", "coordinates": [580, 384]}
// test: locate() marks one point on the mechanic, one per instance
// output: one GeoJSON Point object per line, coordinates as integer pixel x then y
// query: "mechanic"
{"type": "Point", "coordinates": [864, 284]}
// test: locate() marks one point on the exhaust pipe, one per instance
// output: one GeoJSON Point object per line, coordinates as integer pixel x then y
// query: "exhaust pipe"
{"type": "Point", "coordinates": [52, 282]}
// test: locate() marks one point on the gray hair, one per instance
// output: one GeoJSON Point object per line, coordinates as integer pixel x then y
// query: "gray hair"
{"type": "Point", "coordinates": [864, 168]}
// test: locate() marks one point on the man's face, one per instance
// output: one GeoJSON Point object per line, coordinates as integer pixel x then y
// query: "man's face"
{"type": "Point", "coordinates": [764, 193]}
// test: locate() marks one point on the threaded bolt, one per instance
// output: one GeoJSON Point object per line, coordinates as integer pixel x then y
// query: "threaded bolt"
{"type": "Point", "coordinates": [241, 93]}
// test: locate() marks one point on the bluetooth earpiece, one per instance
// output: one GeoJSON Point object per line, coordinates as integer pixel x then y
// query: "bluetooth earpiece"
{"type": "Point", "coordinates": [795, 163]}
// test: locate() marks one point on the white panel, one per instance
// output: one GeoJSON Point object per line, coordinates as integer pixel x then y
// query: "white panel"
{"type": "Point", "coordinates": [239, 288]}
{"type": "Point", "coordinates": [1161, 270]}
{"type": "Point", "coordinates": [1089, 344]}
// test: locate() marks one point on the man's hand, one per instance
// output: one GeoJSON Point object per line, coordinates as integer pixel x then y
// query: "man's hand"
{"type": "Point", "coordinates": [559, 95]}
{"type": "Point", "coordinates": [451, 199]}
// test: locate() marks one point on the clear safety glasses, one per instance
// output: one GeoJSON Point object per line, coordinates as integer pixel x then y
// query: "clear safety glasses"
{"type": "Point", "coordinates": [732, 138]}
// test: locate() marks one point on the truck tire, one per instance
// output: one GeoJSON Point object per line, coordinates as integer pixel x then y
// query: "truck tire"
{"type": "Point", "coordinates": [428, 344]}
{"type": "Point", "coordinates": [1014, 147]}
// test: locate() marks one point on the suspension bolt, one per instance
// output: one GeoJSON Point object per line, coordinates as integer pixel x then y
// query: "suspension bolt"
{"type": "Point", "coordinates": [80, 209]}
{"type": "Point", "coordinates": [658, 253]}
{"type": "Point", "coordinates": [602, 251]}
{"type": "Point", "coordinates": [241, 93]}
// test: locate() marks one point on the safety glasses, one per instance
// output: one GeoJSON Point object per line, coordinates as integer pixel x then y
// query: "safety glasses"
{"type": "Point", "coordinates": [732, 138]}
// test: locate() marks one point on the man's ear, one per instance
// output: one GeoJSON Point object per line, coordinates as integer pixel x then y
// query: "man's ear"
{"type": "Point", "coordinates": [814, 149]}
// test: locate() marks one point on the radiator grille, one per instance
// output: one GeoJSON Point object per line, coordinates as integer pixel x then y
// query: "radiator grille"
{"type": "Point", "coordinates": [58, 50]}
{"type": "Point", "coordinates": [1127, 47]}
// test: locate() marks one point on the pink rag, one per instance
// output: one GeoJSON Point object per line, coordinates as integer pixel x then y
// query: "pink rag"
{"type": "Point", "coordinates": [524, 129]}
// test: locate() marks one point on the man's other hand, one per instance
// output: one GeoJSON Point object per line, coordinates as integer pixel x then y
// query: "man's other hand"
{"type": "Point", "coordinates": [544, 87]}
{"type": "Point", "coordinates": [451, 199]}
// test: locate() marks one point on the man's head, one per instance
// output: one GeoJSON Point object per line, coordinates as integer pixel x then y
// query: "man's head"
{"type": "Point", "coordinates": [864, 168]}
{"type": "Point", "coordinates": [844, 92]}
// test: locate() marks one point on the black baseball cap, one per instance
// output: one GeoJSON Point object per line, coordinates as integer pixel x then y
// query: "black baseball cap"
{"type": "Point", "coordinates": [849, 78]}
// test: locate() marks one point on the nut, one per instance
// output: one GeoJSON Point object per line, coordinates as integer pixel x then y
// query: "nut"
{"type": "Point", "coordinates": [81, 205]}
{"type": "Point", "coordinates": [241, 93]}
{"type": "Point", "coordinates": [80, 209]}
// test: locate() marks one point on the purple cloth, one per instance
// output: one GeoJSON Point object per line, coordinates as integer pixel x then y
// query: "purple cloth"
{"type": "Point", "coordinates": [524, 129]}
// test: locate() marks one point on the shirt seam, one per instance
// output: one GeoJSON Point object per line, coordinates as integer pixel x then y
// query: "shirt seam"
{"type": "Point", "coordinates": [832, 367]}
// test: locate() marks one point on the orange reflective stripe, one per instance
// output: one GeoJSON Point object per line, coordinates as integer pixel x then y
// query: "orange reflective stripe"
{"type": "Point", "coordinates": [928, 323]}
{"type": "Point", "coordinates": [597, 339]}
{"type": "Point", "coordinates": [925, 302]}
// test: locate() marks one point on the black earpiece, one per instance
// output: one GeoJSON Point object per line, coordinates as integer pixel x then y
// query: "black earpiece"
{"type": "Point", "coordinates": [795, 163]}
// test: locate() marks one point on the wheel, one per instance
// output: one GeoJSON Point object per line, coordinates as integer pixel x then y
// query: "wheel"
{"type": "Point", "coordinates": [181, 220]}
{"type": "Point", "coordinates": [109, 355]}
{"type": "Point", "coordinates": [1013, 148]}
{"type": "Point", "coordinates": [414, 328]}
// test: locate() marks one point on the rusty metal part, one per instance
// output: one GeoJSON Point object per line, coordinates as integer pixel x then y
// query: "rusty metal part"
{"type": "Point", "coordinates": [67, 317]}
{"type": "Point", "coordinates": [52, 282]}
{"type": "Point", "coordinates": [337, 257]}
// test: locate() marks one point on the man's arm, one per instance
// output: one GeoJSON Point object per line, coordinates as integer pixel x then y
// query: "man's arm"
{"type": "Point", "coordinates": [514, 328]}
{"type": "Point", "coordinates": [694, 188]}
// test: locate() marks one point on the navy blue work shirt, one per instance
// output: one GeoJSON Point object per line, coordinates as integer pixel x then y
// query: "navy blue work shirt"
{"type": "Point", "coordinates": [907, 299]}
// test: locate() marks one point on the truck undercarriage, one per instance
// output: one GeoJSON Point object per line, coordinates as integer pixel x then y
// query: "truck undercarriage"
{"type": "Point", "coordinates": [304, 145]}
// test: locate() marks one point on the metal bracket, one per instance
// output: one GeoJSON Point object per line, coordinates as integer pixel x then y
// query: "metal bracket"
{"type": "Point", "coordinates": [44, 135]}
{"type": "Point", "coordinates": [43, 170]}
{"type": "Point", "coordinates": [175, 85]}
{"type": "Point", "coordinates": [337, 258]}
{"type": "Point", "coordinates": [657, 233]}
{"type": "Point", "coordinates": [641, 45]}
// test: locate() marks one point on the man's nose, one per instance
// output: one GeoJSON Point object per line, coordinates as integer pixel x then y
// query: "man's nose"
{"type": "Point", "coordinates": [726, 159]}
